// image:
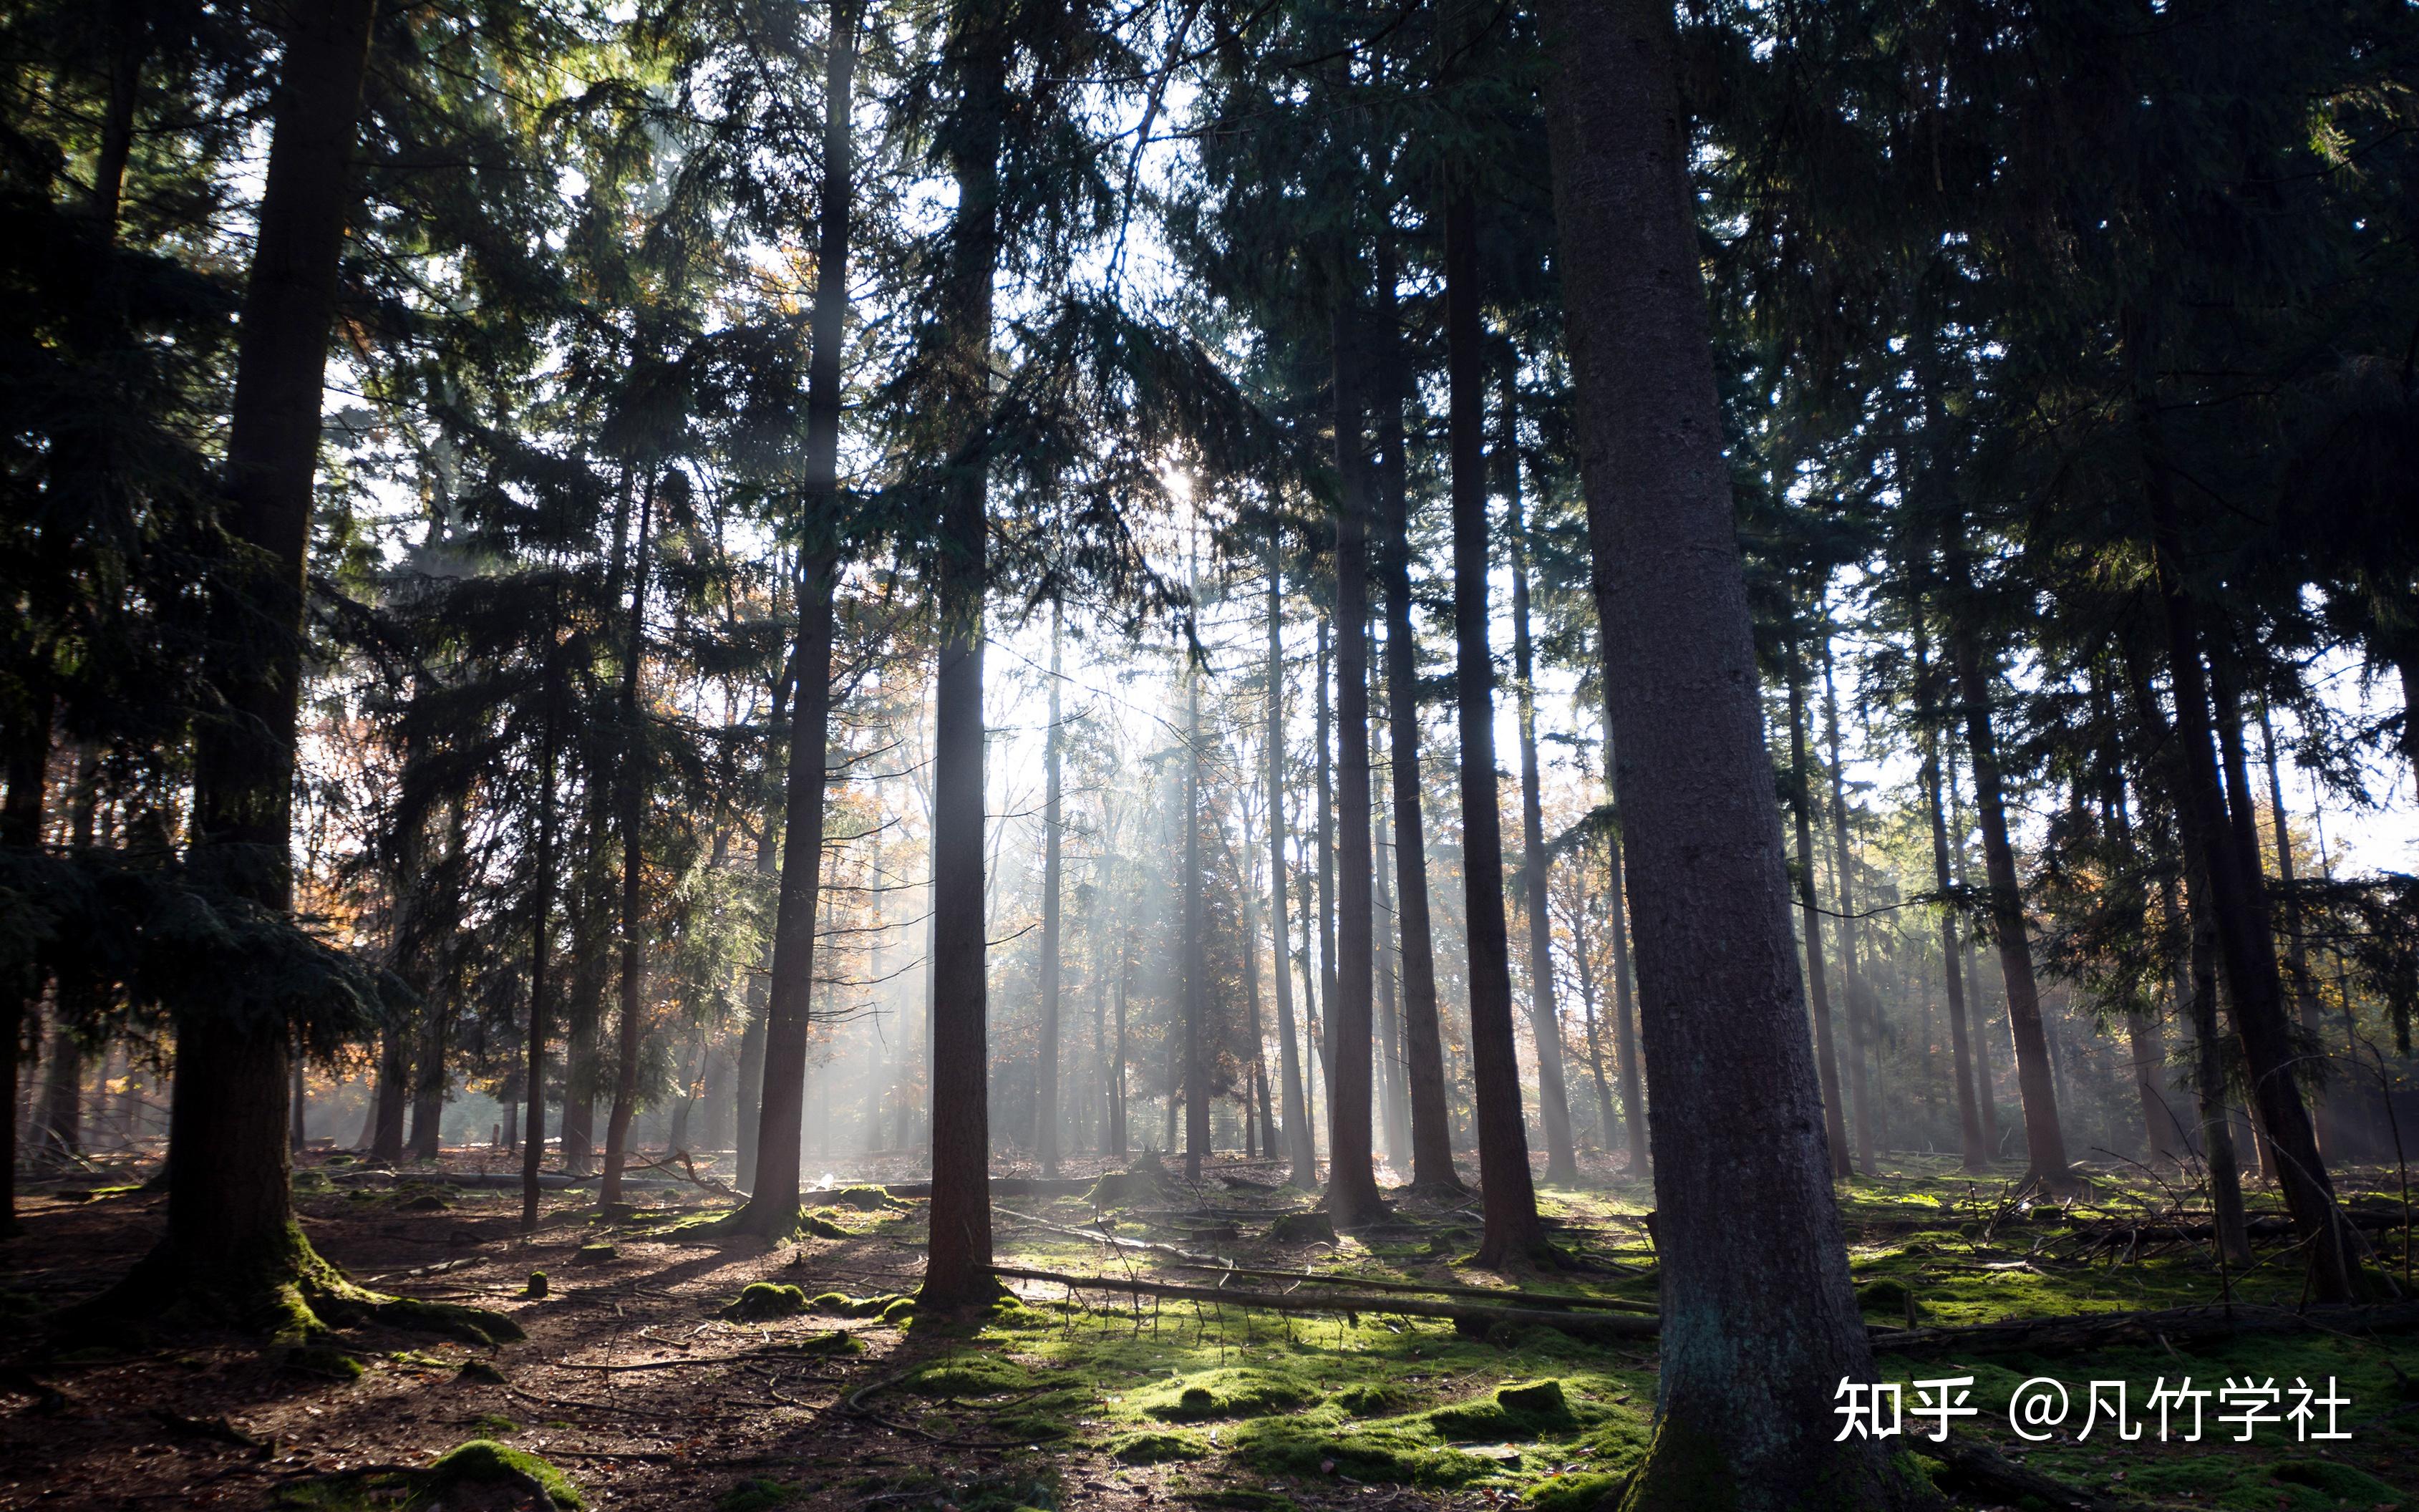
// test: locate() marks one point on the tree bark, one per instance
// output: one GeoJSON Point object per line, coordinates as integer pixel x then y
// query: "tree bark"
{"type": "Point", "coordinates": [231, 1234]}
{"type": "Point", "coordinates": [541, 932]}
{"type": "Point", "coordinates": [1196, 1080]}
{"type": "Point", "coordinates": [1624, 1020]}
{"type": "Point", "coordinates": [1423, 1042]}
{"type": "Point", "coordinates": [1835, 1122]}
{"type": "Point", "coordinates": [1352, 1184]}
{"type": "Point", "coordinates": [1545, 1015]}
{"type": "Point", "coordinates": [1512, 1234]}
{"type": "Point", "coordinates": [1393, 1098]}
{"type": "Point", "coordinates": [1761, 1321]}
{"type": "Point", "coordinates": [1317, 1018]}
{"type": "Point", "coordinates": [957, 1274]}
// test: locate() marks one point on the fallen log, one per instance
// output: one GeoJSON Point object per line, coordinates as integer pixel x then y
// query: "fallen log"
{"type": "Point", "coordinates": [2174, 1325]}
{"type": "Point", "coordinates": [1113, 1240]}
{"type": "Point", "coordinates": [1619, 1325]}
{"type": "Point", "coordinates": [1504, 1294]}
{"type": "Point", "coordinates": [1009, 1186]}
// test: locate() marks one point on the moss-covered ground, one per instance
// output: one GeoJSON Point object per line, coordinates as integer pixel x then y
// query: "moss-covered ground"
{"type": "Point", "coordinates": [685, 1367]}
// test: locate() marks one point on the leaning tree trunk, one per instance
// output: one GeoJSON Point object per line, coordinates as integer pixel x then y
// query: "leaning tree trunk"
{"type": "Point", "coordinates": [1545, 1016]}
{"type": "Point", "coordinates": [957, 1273]}
{"type": "Point", "coordinates": [1513, 1234]}
{"type": "Point", "coordinates": [232, 1245]}
{"type": "Point", "coordinates": [1801, 804]}
{"type": "Point", "coordinates": [772, 1209]}
{"type": "Point", "coordinates": [1045, 1069]}
{"type": "Point", "coordinates": [2045, 1141]}
{"type": "Point", "coordinates": [1423, 1040]}
{"type": "Point", "coordinates": [631, 1025]}
{"type": "Point", "coordinates": [1351, 1183]}
{"type": "Point", "coordinates": [2246, 951]}
{"type": "Point", "coordinates": [1296, 1130]}
{"type": "Point", "coordinates": [1760, 1318]}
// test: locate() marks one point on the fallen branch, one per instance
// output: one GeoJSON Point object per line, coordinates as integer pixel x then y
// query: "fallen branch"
{"type": "Point", "coordinates": [1623, 1325]}
{"type": "Point", "coordinates": [1113, 1240]}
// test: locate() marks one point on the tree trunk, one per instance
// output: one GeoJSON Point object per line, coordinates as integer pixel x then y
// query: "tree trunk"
{"type": "Point", "coordinates": [2246, 950]}
{"type": "Point", "coordinates": [631, 1024]}
{"type": "Point", "coordinates": [1986, 1079]}
{"type": "Point", "coordinates": [1423, 1040]}
{"type": "Point", "coordinates": [1625, 1022]}
{"type": "Point", "coordinates": [1760, 1320]}
{"type": "Point", "coordinates": [2297, 955]}
{"type": "Point", "coordinates": [772, 1210]}
{"type": "Point", "coordinates": [2045, 1141]}
{"type": "Point", "coordinates": [1045, 1070]}
{"type": "Point", "coordinates": [1295, 1130]}
{"type": "Point", "coordinates": [393, 1093]}
{"type": "Point", "coordinates": [1352, 1184]}
{"type": "Point", "coordinates": [1801, 804]}
{"type": "Point", "coordinates": [1196, 956]}
{"type": "Point", "coordinates": [1545, 1016]}
{"type": "Point", "coordinates": [957, 1273]}
{"type": "Point", "coordinates": [1316, 1018]}
{"type": "Point", "coordinates": [1513, 1233]}
{"type": "Point", "coordinates": [1973, 1147]}
{"type": "Point", "coordinates": [1843, 897]}
{"type": "Point", "coordinates": [232, 1244]}
{"type": "Point", "coordinates": [1393, 1098]}
{"type": "Point", "coordinates": [541, 934]}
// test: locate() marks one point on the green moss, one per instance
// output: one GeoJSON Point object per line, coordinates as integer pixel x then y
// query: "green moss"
{"type": "Point", "coordinates": [816, 1225]}
{"type": "Point", "coordinates": [480, 1373]}
{"type": "Point", "coordinates": [761, 1301]}
{"type": "Point", "coordinates": [756, 1494]}
{"type": "Point", "coordinates": [320, 1359]}
{"type": "Point", "coordinates": [862, 1198]}
{"type": "Point", "coordinates": [1524, 1412]}
{"type": "Point", "coordinates": [494, 1426]}
{"type": "Point", "coordinates": [1581, 1491]}
{"type": "Point", "coordinates": [535, 1291]}
{"type": "Point", "coordinates": [969, 1375]}
{"type": "Point", "coordinates": [1370, 1398]}
{"type": "Point", "coordinates": [593, 1254]}
{"type": "Point", "coordinates": [472, 1325]}
{"type": "Point", "coordinates": [1222, 1394]}
{"type": "Point", "coordinates": [840, 1304]}
{"type": "Point", "coordinates": [2338, 1484]}
{"type": "Point", "coordinates": [899, 1312]}
{"type": "Point", "coordinates": [1156, 1448]}
{"type": "Point", "coordinates": [483, 1462]}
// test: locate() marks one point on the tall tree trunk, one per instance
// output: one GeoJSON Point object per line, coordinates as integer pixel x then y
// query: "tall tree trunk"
{"type": "Point", "coordinates": [232, 1244]}
{"type": "Point", "coordinates": [1352, 1184]}
{"type": "Point", "coordinates": [1298, 1148]}
{"type": "Point", "coordinates": [1843, 899]}
{"type": "Point", "coordinates": [541, 935]}
{"type": "Point", "coordinates": [1313, 1063]}
{"type": "Point", "coordinates": [2297, 955]}
{"type": "Point", "coordinates": [1196, 955]}
{"type": "Point", "coordinates": [1118, 1140]}
{"type": "Point", "coordinates": [957, 1274]}
{"type": "Point", "coordinates": [1393, 1098]}
{"type": "Point", "coordinates": [1760, 1318]}
{"type": "Point", "coordinates": [1801, 804]}
{"type": "Point", "coordinates": [1624, 1021]}
{"type": "Point", "coordinates": [772, 1209]}
{"type": "Point", "coordinates": [1319, 1017]}
{"type": "Point", "coordinates": [2246, 949]}
{"type": "Point", "coordinates": [1423, 1035]}
{"type": "Point", "coordinates": [1986, 1079]}
{"type": "Point", "coordinates": [1513, 1234]}
{"type": "Point", "coordinates": [1974, 1149]}
{"type": "Point", "coordinates": [748, 1097]}
{"type": "Point", "coordinates": [1585, 969]}
{"type": "Point", "coordinates": [392, 1092]}
{"type": "Point", "coordinates": [1045, 1070]}
{"type": "Point", "coordinates": [631, 1024]}
{"type": "Point", "coordinates": [2045, 1141]}
{"type": "Point", "coordinates": [1545, 1016]}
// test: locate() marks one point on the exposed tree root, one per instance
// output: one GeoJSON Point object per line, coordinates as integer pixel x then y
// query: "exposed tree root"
{"type": "Point", "coordinates": [1978, 1468]}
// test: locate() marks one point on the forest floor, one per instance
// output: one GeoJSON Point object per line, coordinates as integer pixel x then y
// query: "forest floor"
{"type": "Point", "coordinates": [634, 1386]}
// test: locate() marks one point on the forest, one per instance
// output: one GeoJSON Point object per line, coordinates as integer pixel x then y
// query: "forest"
{"type": "Point", "coordinates": [1283, 755]}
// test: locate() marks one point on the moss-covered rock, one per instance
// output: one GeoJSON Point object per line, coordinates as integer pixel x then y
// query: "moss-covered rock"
{"type": "Point", "coordinates": [1302, 1229]}
{"type": "Point", "coordinates": [763, 1301]}
{"type": "Point", "coordinates": [485, 1462]}
{"type": "Point", "coordinates": [862, 1198]}
{"type": "Point", "coordinates": [840, 1304]}
{"type": "Point", "coordinates": [815, 1225]}
{"type": "Point", "coordinates": [1155, 1448]}
{"type": "Point", "coordinates": [1226, 1394]}
{"type": "Point", "coordinates": [535, 1291]}
{"type": "Point", "coordinates": [1517, 1411]}
{"type": "Point", "coordinates": [597, 1254]}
